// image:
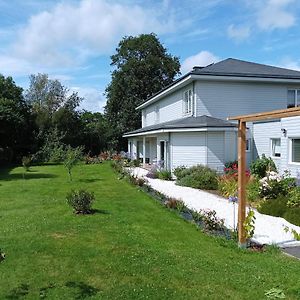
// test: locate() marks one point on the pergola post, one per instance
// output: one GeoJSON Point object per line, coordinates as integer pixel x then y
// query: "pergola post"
{"type": "Point", "coordinates": [241, 183]}
{"type": "Point", "coordinates": [270, 115]}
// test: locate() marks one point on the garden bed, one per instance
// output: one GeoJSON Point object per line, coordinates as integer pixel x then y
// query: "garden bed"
{"type": "Point", "coordinates": [268, 229]}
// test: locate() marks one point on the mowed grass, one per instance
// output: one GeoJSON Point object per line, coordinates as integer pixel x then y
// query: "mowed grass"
{"type": "Point", "coordinates": [131, 248]}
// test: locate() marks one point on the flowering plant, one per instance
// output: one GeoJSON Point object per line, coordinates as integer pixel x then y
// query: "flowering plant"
{"type": "Point", "coordinates": [273, 184]}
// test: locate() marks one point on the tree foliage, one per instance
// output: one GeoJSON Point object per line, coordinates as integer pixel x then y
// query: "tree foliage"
{"type": "Point", "coordinates": [142, 68]}
{"type": "Point", "coordinates": [16, 124]}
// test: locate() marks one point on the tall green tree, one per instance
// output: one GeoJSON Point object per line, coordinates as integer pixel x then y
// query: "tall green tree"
{"type": "Point", "coordinates": [142, 68]}
{"type": "Point", "coordinates": [16, 125]}
{"type": "Point", "coordinates": [54, 107]}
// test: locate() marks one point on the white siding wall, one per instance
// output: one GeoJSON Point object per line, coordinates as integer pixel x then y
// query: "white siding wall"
{"type": "Point", "coordinates": [262, 134]}
{"type": "Point", "coordinates": [292, 125]}
{"type": "Point", "coordinates": [223, 99]}
{"type": "Point", "coordinates": [215, 150]}
{"type": "Point", "coordinates": [230, 143]}
{"type": "Point", "coordinates": [188, 149]}
{"type": "Point", "coordinates": [170, 108]}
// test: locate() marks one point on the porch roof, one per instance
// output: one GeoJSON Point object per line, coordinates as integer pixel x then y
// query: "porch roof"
{"type": "Point", "coordinates": [185, 123]}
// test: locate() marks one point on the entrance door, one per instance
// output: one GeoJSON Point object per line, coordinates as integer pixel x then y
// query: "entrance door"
{"type": "Point", "coordinates": [164, 154]}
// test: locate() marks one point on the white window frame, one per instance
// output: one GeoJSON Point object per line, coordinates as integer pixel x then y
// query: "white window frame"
{"type": "Point", "coordinates": [291, 150]}
{"type": "Point", "coordinates": [271, 147]}
{"type": "Point", "coordinates": [188, 105]}
{"type": "Point", "coordinates": [296, 97]}
{"type": "Point", "coordinates": [248, 143]}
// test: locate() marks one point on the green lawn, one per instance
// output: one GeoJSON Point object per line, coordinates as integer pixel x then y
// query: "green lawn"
{"type": "Point", "coordinates": [132, 248]}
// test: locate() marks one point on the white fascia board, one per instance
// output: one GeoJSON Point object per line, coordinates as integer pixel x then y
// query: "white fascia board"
{"type": "Point", "coordinates": [192, 77]}
{"type": "Point", "coordinates": [182, 130]}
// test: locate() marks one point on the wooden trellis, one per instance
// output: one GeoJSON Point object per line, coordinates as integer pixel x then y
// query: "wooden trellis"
{"type": "Point", "coordinates": [242, 120]}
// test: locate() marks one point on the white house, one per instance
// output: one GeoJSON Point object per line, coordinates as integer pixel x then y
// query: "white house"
{"type": "Point", "coordinates": [186, 122]}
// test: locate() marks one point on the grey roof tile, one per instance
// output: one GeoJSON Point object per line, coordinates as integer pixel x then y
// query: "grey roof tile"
{"type": "Point", "coordinates": [186, 123]}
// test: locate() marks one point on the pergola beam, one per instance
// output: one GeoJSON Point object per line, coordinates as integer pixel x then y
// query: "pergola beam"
{"type": "Point", "coordinates": [271, 115]}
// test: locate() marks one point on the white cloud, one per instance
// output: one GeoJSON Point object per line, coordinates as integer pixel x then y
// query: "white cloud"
{"type": "Point", "coordinates": [289, 63]}
{"type": "Point", "coordinates": [93, 98]}
{"type": "Point", "coordinates": [69, 33]}
{"type": "Point", "coordinates": [275, 14]}
{"type": "Point", "coordinates": [238, 33]}
{"type": "Point", "coordinates": [202, 58]}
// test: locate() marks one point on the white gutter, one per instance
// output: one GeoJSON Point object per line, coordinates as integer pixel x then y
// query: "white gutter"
{"type": "Point", "coordinates": [158, 131]}
{"type": "Point", "coordinates": [192, 77]}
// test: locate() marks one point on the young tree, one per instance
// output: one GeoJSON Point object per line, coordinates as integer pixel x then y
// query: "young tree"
{"type": "Point", "coordinates": [72, 158]}
{"type": "Point", "coordinates": [142, 67]}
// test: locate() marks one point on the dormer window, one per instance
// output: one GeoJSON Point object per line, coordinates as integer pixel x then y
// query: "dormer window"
{"type": "Point", "coordinates": [187, 102]}
{"type": "Point", "coordinates": [293, 98]}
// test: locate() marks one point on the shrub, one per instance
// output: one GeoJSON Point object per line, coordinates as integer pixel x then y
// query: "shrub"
{"type": "Point", "coordinates": [26, 162]}
{"type": "Point", "coordinates": [210, 220]}
{"type": "Point", "coordinates": [260, 167]}
{"type": "Point", "coordinates": [292, 215]}
{"type": "Point", "coordinates": [274, 207]}
{"type": "Point", "coordinates": [153, 173]}
{"type": "Point", "coordinates": [253, 190]}
{"type": "Point", "coordinates": [227, 185]}
{"type": "Point", "coordinates": [164, 175]}
{"type": "Point", "coordinates": [173, 203]}
{"type": "Point", "coordinates": [179, 172]}
{"type": "Point", "coordinates": [231, 167]}
{"type": "Point", "coordinates": [274, 185]}
{"type": "Point", "coordinates": [200, 177]}
{"type": "Point", "coordinates": [135, 163]}
{"type": "Point", "coordinates": [81, 201]}
{"type": "Point", "coordinates": [117, 165]}
{"type": "Point", "coordinates": [294, 197]}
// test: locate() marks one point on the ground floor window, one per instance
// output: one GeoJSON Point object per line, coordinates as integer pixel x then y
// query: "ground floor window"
{"type": "Point", "coordinates": [295, 150]}
{"type": "Point", "coordinates": [275, 147]}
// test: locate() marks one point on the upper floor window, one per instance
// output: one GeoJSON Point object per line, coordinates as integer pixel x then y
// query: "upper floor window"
{"type": "Point", "coordinates": [293, 98]}
{"type": "Point", "coordinates": [156, 114]}
{"type": "Point", "coordinates": [276, 147]}
{"type": "Point", "coordinates": [187, 102]}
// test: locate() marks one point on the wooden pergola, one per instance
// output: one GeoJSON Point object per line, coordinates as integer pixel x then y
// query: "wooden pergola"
{"type": "Point", "coordinates": [242, 120]}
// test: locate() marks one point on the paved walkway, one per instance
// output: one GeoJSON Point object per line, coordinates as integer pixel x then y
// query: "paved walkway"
{"type": "Point", "coordinates": [294, 251]}
{"type": "Point", "coordinates": [268, 229]}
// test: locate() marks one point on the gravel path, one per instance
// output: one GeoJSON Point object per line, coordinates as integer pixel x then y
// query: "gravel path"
{"type": "Point", "coordinates": [268, 229]}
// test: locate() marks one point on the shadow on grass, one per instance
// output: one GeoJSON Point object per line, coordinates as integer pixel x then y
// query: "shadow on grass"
{"type": "Point", "coordinates": [99, 211]}
{"type": "Point", "coordinates": [19, 292]}
{"type": "Point", "coordinates": [83, 290]}
{"type": "Point", "coordinates": [26, 176]}
{"type": "Point", "coordinates": [90, 180]}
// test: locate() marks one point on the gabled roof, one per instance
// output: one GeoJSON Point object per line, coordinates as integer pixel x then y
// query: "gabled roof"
{"type": "Point", "coordinates": [185, 123]}
{"type": "Point", "coordinates": [241, 68]}
{"type": "Point", "coordinates": [228, 68]}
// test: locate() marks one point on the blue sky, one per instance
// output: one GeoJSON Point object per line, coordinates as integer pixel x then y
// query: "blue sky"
{"type": "Point", "coordinates": [73, 40]}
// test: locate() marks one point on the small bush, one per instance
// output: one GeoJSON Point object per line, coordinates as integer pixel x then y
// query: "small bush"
{"type": "Point", "coordinates": [173, 203]}
{"type": "Point", "coordinates": [210, 220]}
{"type": "Point", "coordinates": [262, 165]}
{"type": "Point", "coordinates": [292, 215]}
{"type": "Point", "coordinates": [274, 207]}
{"type": "Point", "coordinates": [228, 186]}
{"type": "Point", "coordinates": [81, 201]}
{"type": "Point", "coordinates": [135, 163]}
{"type": "Point", "coordinates": [26, 162]}
{"type": "Point", "coordinates": [164, 175]}
{"type": "Point", "coordinates": [199, 177]}
{"type": "Point", "coordinates": [231, 167]}
{"type": "Point", "coordinates": [179, 172]}
{"type": "Point", "coordinates": [253, 190]}
{"type": "Point", "coordinates": [294, 197]}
